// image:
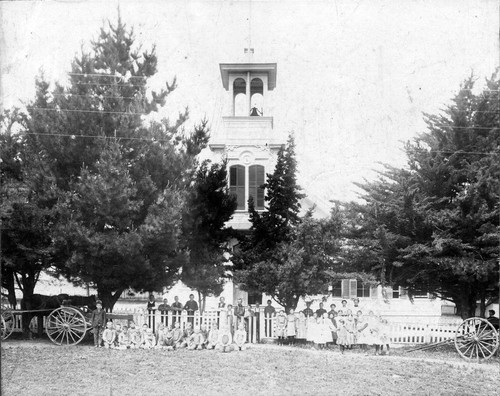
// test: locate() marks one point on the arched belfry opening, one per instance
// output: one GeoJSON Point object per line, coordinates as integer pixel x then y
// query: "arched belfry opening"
{"type": "Point", "coordinates": [239, 97]}
{"type": "Point", "coordinates": [249, 84]}
{"type": "Point", "coordinates": [256, 97]}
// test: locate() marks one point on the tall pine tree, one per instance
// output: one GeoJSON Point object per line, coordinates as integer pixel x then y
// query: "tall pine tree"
{"type": "Point", "coordinates": [434, 226]}
{"type": "Point", "coordinates": [285, 256]}
{"type": "Point", "coordinates": [208, 207]}
{"type": "Point", "coordinates": [95, 121]}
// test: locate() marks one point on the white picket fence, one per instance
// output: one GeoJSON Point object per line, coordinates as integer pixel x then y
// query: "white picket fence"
{"type": "Point", "coordinates": [260, 327]}
{"type": "Point", "coordinates": [403, 333]}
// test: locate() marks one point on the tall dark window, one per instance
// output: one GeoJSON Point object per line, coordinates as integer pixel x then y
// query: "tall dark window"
{"type": "Point", "coordinates": [237, 184]}
{"type": "Point", "coordinates": [337, 288]}
{"type": "Point", "coordinates": [363, 290]}
{"type": "Point", "coordinates": [255, 182]}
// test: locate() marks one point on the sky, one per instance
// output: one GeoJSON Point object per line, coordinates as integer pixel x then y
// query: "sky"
{"type": "Point", "coordinates": [353, 77]}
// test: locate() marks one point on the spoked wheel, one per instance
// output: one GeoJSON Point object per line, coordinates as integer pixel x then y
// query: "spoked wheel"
{"type": "Point", "coordinates": [8, 323]}
{"type": "Point", "coordinates": [66, 326]}
{"type": "Point", "coordinates": [476, 339]}
{"type": "Point", "coordinates": [3, 327]}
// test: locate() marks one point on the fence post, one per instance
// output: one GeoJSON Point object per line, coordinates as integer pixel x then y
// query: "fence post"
{"type": "Point", "coordinates": [262, 325]}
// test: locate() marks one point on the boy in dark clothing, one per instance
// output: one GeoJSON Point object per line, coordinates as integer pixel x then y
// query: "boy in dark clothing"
{"type": "Point", "coordinates": [308, 312]}
{"type": "Point", "coordinates": [191, 307]}
{"type": "Point", "coordinates": [98, 320]}
{"type": "Point", "coordinates": [320, 311]}
{"type": "Point", "coordinates": [177, 309]}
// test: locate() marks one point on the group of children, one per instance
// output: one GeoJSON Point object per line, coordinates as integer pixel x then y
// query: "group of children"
{"type": "Point", "coordinates": [337, 327]}
{"type": "Point", "coordinates": [117, 336]}
{"type": "Point", "coordinates": [345, 327]}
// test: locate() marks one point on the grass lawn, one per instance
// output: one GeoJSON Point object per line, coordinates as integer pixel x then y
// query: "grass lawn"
{"type": "Point", "coordinates": [40, 368]}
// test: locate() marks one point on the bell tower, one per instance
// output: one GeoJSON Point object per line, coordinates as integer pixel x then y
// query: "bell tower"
{"type": "Point", "coordinates": [247, 137]}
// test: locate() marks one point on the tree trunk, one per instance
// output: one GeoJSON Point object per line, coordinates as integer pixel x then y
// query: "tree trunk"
{"type": "Point", "coordinates": [466, 304]}
{"type": "Point", "coordinates": [201, 301]}
{"type": "Point", "coordinates": [28, 288]}
{"type": "Point", "coordinates": [109, 298]}
{"type": "Point", "coordinates": [288, 302]}
{"type": "Point", "coordinates": [9, 282]}
{"type": "Point", "coordinates": [482, 303]}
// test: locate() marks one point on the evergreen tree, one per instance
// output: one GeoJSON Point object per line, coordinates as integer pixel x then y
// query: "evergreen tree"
{"type": "Point", "coordinates": [283, 196]}
{"type": "Point", "coordinates": [286, 256]}
{"type": "Point", "coordinates": [434, 226]}
{"type": "Point", "coordinates": [125, 232]}
{"type": "Point", "coordinates": [208, 207]}
{"type": "Point", "coordinates": [28, 193]}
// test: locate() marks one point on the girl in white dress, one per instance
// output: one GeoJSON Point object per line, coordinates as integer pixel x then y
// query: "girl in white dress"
{"type": "Point", "coordinates": [301, 326]}
{"type": "Point", "coordinates": [291, 326]}
{"type": "Point", "coordinates": [326, 328]}
{"type": "Point", "coordinates": [362, 332]}
{"type": "Point", "coordinates": [311, 329]}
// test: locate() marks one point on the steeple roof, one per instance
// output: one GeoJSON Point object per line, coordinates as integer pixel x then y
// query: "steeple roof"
{"type": "Point", "coordinates": [269, 68]}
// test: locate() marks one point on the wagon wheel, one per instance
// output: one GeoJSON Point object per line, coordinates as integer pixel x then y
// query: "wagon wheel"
{"type": "Point", "coordinates": [476, 339]}
{"type": "Point", "coordinates": [8, 323]}
{"type": "Point", "coordinates": [66, 325]}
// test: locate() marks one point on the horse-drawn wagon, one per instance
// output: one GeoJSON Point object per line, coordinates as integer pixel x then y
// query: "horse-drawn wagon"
{"type": "Point", "coordinates": [476, 339]}
{"type": "Point", "coordinates": [67, 319]}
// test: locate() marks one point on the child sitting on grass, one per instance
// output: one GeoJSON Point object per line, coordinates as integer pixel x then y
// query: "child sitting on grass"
{"type": "Point", "coordinates": [149, 339]}
{"type": "Point", "coordinates": [224, 341]}
{"type": "Point", "coordinates": [188, 331]}
{"type": "Point", "coordinates": [177, 335]}
{"type": "Point", "coordinates": [109, 336]}
{"type": "Point", "coordinates": [160, 336]}
{"type": "Point", "coordinates": [195, 340]}
{"type": "Point", "coordinates": [213, 336]}
{"type": "Point", "coordinates": [168, 338]}
{"type": "Point", "coordinates": [144, 330]}
{"type": "Point", "coordinates": [135, 336]}
{"type": "Point", "coordinates": [118, 331]}
{"type": "Point", "coordinates": [240, 337]}
{"type": "Point", "coordinates": [204, 333]}
{"type": "Point", "coordinates": [123, 338]}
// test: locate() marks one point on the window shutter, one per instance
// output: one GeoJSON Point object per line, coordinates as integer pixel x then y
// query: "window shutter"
{"type": "Point", "coordinates": [237, 184]}
{"type": "Point", "coordinates": [353, 288]}
{"type": "Point", "coordinates": [345, 288]}
{"type": "Point", "coordinates": [255, 182]}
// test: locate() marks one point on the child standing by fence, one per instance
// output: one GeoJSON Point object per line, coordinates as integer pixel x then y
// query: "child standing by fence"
{"type": "Point", "coordinates": [311, 329]}
{"type": "Point", "coordinates": [301, 327]}
{"type": "Point", "coordinates": [384, 336]}
{"type": "Point", "coordinates": [98, 320]}
{"type": "Point", "coordinates": [269, 314]}
{"type": "Point", "coordinates": [291, 326]}
{"type": "Point", "coordinates": [281, 326]}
